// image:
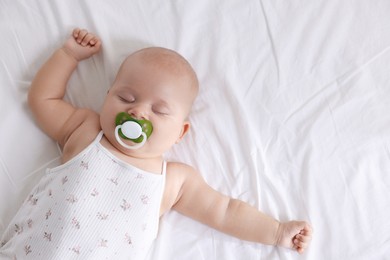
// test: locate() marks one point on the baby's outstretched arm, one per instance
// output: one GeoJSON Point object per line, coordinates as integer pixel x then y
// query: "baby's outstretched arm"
{"type": "Point", "coordinates": [237, 218]}
{"type": "Point", "coordinates": [49, 85]}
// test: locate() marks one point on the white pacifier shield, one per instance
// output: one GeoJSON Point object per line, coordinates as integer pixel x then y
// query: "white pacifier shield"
{"type": "Point", "coordinates": [131, 129]}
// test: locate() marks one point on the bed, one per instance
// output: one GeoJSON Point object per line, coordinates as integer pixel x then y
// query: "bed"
{"type": "Point", "coordinates": [292, 115]}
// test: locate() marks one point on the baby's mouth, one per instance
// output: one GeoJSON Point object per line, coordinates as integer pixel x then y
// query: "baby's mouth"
{"type": "Point", "coordinates": [129, 128]}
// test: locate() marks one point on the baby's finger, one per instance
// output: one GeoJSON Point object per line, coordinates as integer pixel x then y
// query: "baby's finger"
{"type": "Point", "coordinates": [301, 250]}
{"type": "Point", "coordinates": [302, 238]}
{"type": "Point", "coordinates": [299, 243]}
{"type": "Point", "coordinates": [87, 39]}
{"type": "Point", "coordinates": [76, 32]}
{"type": "Point", "coordinates": [307, 230]}
{"type": "Point", "coordinates": [82, 33]}
{"type": "Point", "coordinates": [95, 42]}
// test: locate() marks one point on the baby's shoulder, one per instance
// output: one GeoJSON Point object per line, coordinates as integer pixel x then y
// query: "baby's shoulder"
{"type": "Point", "coordinates": [181, 172]}
{"type": "Point", "coordinates": [179, 168]}
{"type": "Point", "coordinates": [178, 179]}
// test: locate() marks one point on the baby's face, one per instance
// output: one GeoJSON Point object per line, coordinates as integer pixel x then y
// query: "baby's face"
{"type": "Point", "coordinates": [146, 90]}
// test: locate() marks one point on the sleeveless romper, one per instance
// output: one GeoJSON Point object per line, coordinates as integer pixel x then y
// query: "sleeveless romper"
{"type": "Point", "coordinates": [94, 206]}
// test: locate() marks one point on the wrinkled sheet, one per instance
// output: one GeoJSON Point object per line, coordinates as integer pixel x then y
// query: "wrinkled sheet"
{"type": "Point", "coordinates": [292, 115]}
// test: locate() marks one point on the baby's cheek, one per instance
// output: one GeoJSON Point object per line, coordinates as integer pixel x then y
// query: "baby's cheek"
{"type": "Point", "coordinates": [168, 137]}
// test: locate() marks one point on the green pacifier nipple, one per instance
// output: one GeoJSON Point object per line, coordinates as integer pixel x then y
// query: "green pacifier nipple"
{"type": "Point", "coordinates": [129, 128]}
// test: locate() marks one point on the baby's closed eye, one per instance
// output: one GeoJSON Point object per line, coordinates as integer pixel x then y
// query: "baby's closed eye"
{"type": "Point", "coordinates": [127, 99]}
{"type": "Point", "coordinates": [161, 110]}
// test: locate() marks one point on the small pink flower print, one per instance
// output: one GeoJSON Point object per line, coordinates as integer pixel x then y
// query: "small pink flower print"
{"type": "Point", "coordinates": [76, 249]}
{"type": "Point", "coordinates": [145, 199]}
{"type": "Point", "coordinates": [27, 249]}
{"type": "Point", "coordinates": [33, 201]}
{"type": "Point", "coordinates": [48, 214]}
{"type": "Point", "coordinates": [64, 180]}
{"type": "Point", "coordinates": [71, 199]}
{"type": "Point", "coordinates": [47, 236]}
{"type": "Point", "coordinates": [18, 229]}
{"type": "Point", "coordinates": [125, 205]}
{"type": "Point", "coordinates": [102, 216]}
{"type": "Point", "coordinates": [84, 165]}
{"type": "Point", "coordinates": [103, 243]}
{"type": "Point", "coordinates": [75, 223]}
{"type": "Point", "coordinates": [29, 223]}
{"type": "Point", "coordinates": [128, 239]}
{"type": "Point", "coordinates": [94, 193]}
{"type": "Point", "coordinates": [115, 181]}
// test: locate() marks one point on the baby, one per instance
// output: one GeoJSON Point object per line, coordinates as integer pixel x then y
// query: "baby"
{"type": "Point", "coordinates": [106, 198]}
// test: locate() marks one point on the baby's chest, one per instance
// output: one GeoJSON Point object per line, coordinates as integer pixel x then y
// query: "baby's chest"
{"type": "Point", "coordinates": [87, 186]}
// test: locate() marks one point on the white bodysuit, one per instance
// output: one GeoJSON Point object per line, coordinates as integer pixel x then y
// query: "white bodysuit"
{"type": "Point", "coordinates": [94, 206]}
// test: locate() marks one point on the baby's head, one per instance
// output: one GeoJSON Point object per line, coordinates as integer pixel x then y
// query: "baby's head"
{"type": "Point", "coordinates": [166, 65]}
{"type": "Point", "coordinates": [156, 84]}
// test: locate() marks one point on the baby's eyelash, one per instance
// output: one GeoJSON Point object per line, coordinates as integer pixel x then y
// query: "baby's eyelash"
{"type": "Point", "coordinates": [126, 100]}
{"type": "Point", "coordinates": [160, 112]}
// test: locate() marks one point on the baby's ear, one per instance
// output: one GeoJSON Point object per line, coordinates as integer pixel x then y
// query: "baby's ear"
{"type": "Point", "coordinates": [184, 130]}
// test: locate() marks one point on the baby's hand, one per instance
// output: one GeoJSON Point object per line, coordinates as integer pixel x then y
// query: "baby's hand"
{"type": "Point", "coordinates": [82, 44]}
{"type": "Point", "coordinates": [295, 235]}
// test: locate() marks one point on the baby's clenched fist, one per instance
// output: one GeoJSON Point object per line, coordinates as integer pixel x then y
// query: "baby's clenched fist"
{"type": "Point", "coordinates": [82, 44]}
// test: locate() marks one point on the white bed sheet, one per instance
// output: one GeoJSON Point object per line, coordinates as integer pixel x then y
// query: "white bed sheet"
{"type": "Point", "coordinates": [292, 116]}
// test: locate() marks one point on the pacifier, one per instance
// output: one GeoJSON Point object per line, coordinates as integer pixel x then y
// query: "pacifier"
{"type": "Point", "coordinates": [135, 130]}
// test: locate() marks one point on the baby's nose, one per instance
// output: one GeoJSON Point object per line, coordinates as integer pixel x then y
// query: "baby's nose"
{"type": "Point", "coordinates": [137, 112]}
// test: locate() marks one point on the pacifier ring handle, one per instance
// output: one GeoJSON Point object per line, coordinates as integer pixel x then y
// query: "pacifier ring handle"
{"type": "Point", "coordinates": [131, 147]}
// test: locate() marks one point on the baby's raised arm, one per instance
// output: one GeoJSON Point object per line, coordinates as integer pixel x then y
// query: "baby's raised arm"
{"type": "Point", "coordinates": [48, 87]}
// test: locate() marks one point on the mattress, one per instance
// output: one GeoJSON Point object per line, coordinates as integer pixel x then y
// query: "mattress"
{"type": "Point", "coordinates": [292, 115]}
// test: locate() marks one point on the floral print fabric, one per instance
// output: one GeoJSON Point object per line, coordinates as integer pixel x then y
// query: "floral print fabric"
{"type": "Point", "coordinates": [93, 207]}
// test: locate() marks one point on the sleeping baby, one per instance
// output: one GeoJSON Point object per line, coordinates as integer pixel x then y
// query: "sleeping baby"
{"type": "Point", "coordinates": [105, 200]}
